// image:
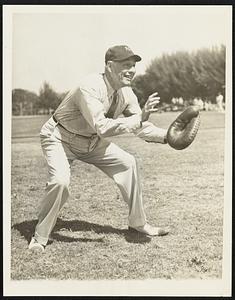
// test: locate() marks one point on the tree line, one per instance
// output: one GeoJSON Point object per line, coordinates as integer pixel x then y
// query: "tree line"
{"type": "Point", "coordinates": [29, 103]}
{"type": "Point", "coordinates": [200, 74]}
{"type": "Point", "coordinates": [181, 74]}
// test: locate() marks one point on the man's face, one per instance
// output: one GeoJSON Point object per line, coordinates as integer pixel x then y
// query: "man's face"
{"type": "Point", "coordinates": [122, 72]}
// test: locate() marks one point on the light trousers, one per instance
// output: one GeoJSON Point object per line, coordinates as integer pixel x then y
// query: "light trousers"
{"type": "Point", "coordinates": [60, 149]}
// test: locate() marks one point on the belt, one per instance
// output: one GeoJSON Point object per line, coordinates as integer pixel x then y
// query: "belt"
{"type": "Point", "coordinates": [54, 118]}
{"type": "Point", "coordinates": [87, 137]}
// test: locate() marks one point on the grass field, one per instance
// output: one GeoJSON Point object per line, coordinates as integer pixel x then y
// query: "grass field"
{"type": "Point", "coordinates": [183, 191]}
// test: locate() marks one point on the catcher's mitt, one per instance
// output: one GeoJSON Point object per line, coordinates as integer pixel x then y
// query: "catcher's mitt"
{"type": "Point", "coordinates": [183, 130]}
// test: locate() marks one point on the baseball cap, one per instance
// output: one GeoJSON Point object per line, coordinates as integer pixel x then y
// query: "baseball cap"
{"type": "Point", "coordinates": [120, 53]}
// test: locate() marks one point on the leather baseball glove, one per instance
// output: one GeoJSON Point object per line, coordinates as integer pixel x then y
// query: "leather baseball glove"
{"type": "Point", "coordinates": [182, 132]}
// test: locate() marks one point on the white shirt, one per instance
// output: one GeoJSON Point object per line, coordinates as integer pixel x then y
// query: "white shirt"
{"type": "Point", "coordinates": [83, 109]}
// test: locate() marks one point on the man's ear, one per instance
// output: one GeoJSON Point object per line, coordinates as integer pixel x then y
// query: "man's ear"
{"type": "Point", "coordinates": [109, 65]}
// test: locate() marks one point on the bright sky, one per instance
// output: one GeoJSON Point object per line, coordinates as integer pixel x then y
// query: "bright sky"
{"type": "Point", "coordinates": [61, 44]}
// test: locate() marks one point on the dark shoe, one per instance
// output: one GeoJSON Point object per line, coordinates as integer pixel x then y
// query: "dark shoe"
{"type": "Point", "coordinates": [149, 230]}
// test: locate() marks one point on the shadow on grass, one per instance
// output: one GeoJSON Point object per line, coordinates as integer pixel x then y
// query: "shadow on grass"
{"type": "Point", "coordinates": [26, 229]}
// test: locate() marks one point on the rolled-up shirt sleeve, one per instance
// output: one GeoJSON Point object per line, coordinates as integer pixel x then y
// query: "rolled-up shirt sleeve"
{"type": "Point", "coordinates": [151, 133]}
{"type": "Point", "coordinates": [91, 107]}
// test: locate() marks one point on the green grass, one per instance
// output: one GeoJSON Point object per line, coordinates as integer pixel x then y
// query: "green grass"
{"type": "Point", "coordinates": [183, 191]}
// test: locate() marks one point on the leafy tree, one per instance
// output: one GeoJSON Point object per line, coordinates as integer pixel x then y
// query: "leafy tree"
{"type": "Point", "coordinates": [183, 74]}
{"type": "Point", "coordinates": [27, 103]}
{"type": "Point", "coordinates": [49, 99]}
{"type": "Point", "coordinates": [209, 71]}
{"type": "Point", "coordinates": [24, 102]}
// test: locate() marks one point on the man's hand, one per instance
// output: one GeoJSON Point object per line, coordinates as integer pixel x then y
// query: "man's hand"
{"type": "Point", "coordinates": [149, 106]}
{"type": "Point", "coordinates": [130, 124]}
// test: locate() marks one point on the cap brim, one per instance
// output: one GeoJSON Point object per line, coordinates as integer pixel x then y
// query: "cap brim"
{"type": "Point", "coordinates": [135, 56]}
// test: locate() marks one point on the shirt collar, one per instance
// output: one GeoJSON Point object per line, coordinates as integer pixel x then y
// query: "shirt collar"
{"type": "Point", "coordinates": [108, 85]}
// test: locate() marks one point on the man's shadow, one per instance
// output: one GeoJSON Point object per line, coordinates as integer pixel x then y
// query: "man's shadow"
{"type": "Point", "coordinates": [26, 229]}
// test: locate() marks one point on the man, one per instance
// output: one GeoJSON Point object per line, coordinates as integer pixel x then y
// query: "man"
{"type": "Point", "coordinates": [78, 129]}
{"type": "Point", "coordinates": [219, 102]}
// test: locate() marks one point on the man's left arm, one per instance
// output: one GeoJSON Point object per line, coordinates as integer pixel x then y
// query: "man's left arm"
{"type": "Point", "coordinates": [148, 131]}
{"type": "Point", "coordinates": [151, 133]}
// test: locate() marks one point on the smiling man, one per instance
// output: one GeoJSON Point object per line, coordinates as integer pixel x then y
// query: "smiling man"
{"type": "Point", "coordinates": [103, 105]}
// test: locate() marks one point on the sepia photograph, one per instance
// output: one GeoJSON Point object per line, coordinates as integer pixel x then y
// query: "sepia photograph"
{"type": "Point", "coordinates": [117, 150]}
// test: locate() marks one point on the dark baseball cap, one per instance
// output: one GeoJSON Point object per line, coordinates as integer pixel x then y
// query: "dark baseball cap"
{"type": "Point", "coordinates": [120, 53]}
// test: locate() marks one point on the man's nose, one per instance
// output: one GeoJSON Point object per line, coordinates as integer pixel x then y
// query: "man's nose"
{"type": "Point", "coordinates": [132, 70]}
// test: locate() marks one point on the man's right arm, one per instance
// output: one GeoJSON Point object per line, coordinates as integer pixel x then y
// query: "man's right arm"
{"type": "Point", "coordinates": [92, 110]}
